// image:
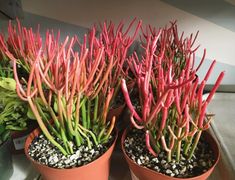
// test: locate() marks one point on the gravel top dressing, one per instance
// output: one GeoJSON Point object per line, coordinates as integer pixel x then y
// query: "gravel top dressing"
{"type": "Point", "coordinates": [42, 151]}
{"type": "Point", "coordinates": [202, 160]}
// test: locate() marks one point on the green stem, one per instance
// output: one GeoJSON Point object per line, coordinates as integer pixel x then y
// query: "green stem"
{"type": "Point", "coordinates": [78, 139]}
{"type": "Point", "coordinates": [154, 142]}
{"type": "Point", "coordinates": [48, 124]}
{"type": "Point", "coordinates": [101, 135]}
{"type": "Point", "coordinates": [70, 145]}
{"type": "Point", "coordinates": [88, 114]}
{"type": "Point", "coordinates": [64, 139]}
{"type": "Point", "coordinates": [91, 133]}
{"type": "Point", "coordinates": [178, 145]}
{"type": "Point", "coordinates": [70, 133]}
{"type": "Point", "coordinates": [96, 108]}
{"type": "Point", "coordinates": [169, 156]}
{"type": "Point", "coordinates": [44, 129]}
{"type": "Point", "coordinates": [55, 120]}
{"type": "Point", "coordinates": [84, 119]}
{"type": "Point", "coordinates": [77, 113]}
{"type": "Point", "coordinates": [87, 138]}
{"type": "Point", "coordinates": [70, 130]}
{"type": "Point", "coordinates": [187, 145]}
{"type": "Point", "coordinates": [178, 150]}
{"type": "Point", "coordinates": [59, 107]}
{"type": "Point", "coordinates": [195, 144]}
{"type": "Point", "coordinates": [189, 141]}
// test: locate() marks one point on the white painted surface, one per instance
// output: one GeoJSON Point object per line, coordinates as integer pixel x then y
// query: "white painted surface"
{"type": "Point", "coordinates": [219, 42]}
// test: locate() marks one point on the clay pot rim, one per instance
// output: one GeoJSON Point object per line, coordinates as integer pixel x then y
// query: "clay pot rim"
{"type": "Point", "coordinates": [173, 178]}
{"type": "Point", "coordinates": [38, 131]}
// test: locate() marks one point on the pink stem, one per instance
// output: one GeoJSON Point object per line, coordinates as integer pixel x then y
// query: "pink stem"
{"type": "Point", "coordinates": [128, 100]}
{"type": "Point", "coordinates": [202, 60]}
{"type": "Point", "coordinates": [135, 124]}
{"type": "Point", "coordinates": [210, 70]}
{"type": "Point", "coordinates": [157, 107]}
{"type": "Point", "coordinates": [202, 115]}
{"type": "Point", "coordinates": [177, 101]}
{"type": "Point", "coordinates": [193, 92]}
{"type": "Point", "coordinates": [218, 81]}
{"type": "Point", "coordinates": [194, 38]}
{"type": "Point", "coordinates": [147, 140]}
{"type": "Point", "coordinates": [163, 121]}
{"type": "Point", "coordinates": [200, 94]}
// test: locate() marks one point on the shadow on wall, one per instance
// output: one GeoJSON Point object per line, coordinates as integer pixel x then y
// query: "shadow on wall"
{"type": "Point", "coordinates": [11, 8]}
{"type": "Point", "coordinates": [219, 12]}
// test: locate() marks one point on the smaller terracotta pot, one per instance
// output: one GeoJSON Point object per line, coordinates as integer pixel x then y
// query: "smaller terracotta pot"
{"type": "Point", "coordinates": [19, 137]}
{"type": "Point", "coordinates": [98, 169]}
{"type": "Point", "coordinates": [143, 173]}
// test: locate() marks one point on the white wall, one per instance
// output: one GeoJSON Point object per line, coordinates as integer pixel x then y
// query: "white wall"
{"type": "Point", "coordinates": [220, 42]}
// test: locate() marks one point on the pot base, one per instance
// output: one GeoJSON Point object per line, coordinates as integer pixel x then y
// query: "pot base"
{"type": "Point", "coordinates": [98, 169]}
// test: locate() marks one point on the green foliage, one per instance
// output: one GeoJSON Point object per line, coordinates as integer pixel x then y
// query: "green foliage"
{"type": "Point", "coordinates": [13, 111]}
{"type": "Point", "coordinates": [5, 68]}
{"type": "Point", "coordinates": [4, 134]}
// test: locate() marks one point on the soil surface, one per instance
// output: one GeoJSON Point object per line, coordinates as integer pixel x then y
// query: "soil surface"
{"type": "Point", "coordinates": [44, 152]}
{"type": "Point", "coordinates": [202, 160]}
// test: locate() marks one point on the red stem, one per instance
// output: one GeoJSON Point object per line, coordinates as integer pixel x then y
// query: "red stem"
{"type": "Point", "coordinates": [128, 100]}
{"type": "Point", "coordinates": [218, 81]}
{"type": "Point", "coordinates": [147, 140]}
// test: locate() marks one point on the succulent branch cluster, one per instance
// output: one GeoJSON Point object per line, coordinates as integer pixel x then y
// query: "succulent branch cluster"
{"type": "Point", "coordinates": [169, 106]}
{"type": "Point", "coordinates": [70, 92]}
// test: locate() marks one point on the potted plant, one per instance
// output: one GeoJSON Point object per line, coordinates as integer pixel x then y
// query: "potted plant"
{"type": "Point", "coordinates": [5, 141]}
{"type": "Point", "coordinates": [168, 116]}
{"type": "Point", "coordinates": [13, 114]}
{"type": "Point", "coordinates": [69, 94]}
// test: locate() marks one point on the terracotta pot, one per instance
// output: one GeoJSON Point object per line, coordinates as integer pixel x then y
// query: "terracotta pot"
{"type": "Point", "coordinates": [143, 173]}
{"type": "Point", "coordinates": [98, 169]}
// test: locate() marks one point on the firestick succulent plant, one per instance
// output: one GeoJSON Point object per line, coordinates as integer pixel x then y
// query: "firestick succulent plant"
{"type": "Point", "coordinates": [116, 43]}
{"type": "Point", "coordinates": [170, 108]}
{"type": "Point", "coordinates": [70, 92]}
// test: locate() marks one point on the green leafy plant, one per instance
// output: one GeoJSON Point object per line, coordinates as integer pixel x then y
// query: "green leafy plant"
{"type": "Point", "coordinates": [13, 111]}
